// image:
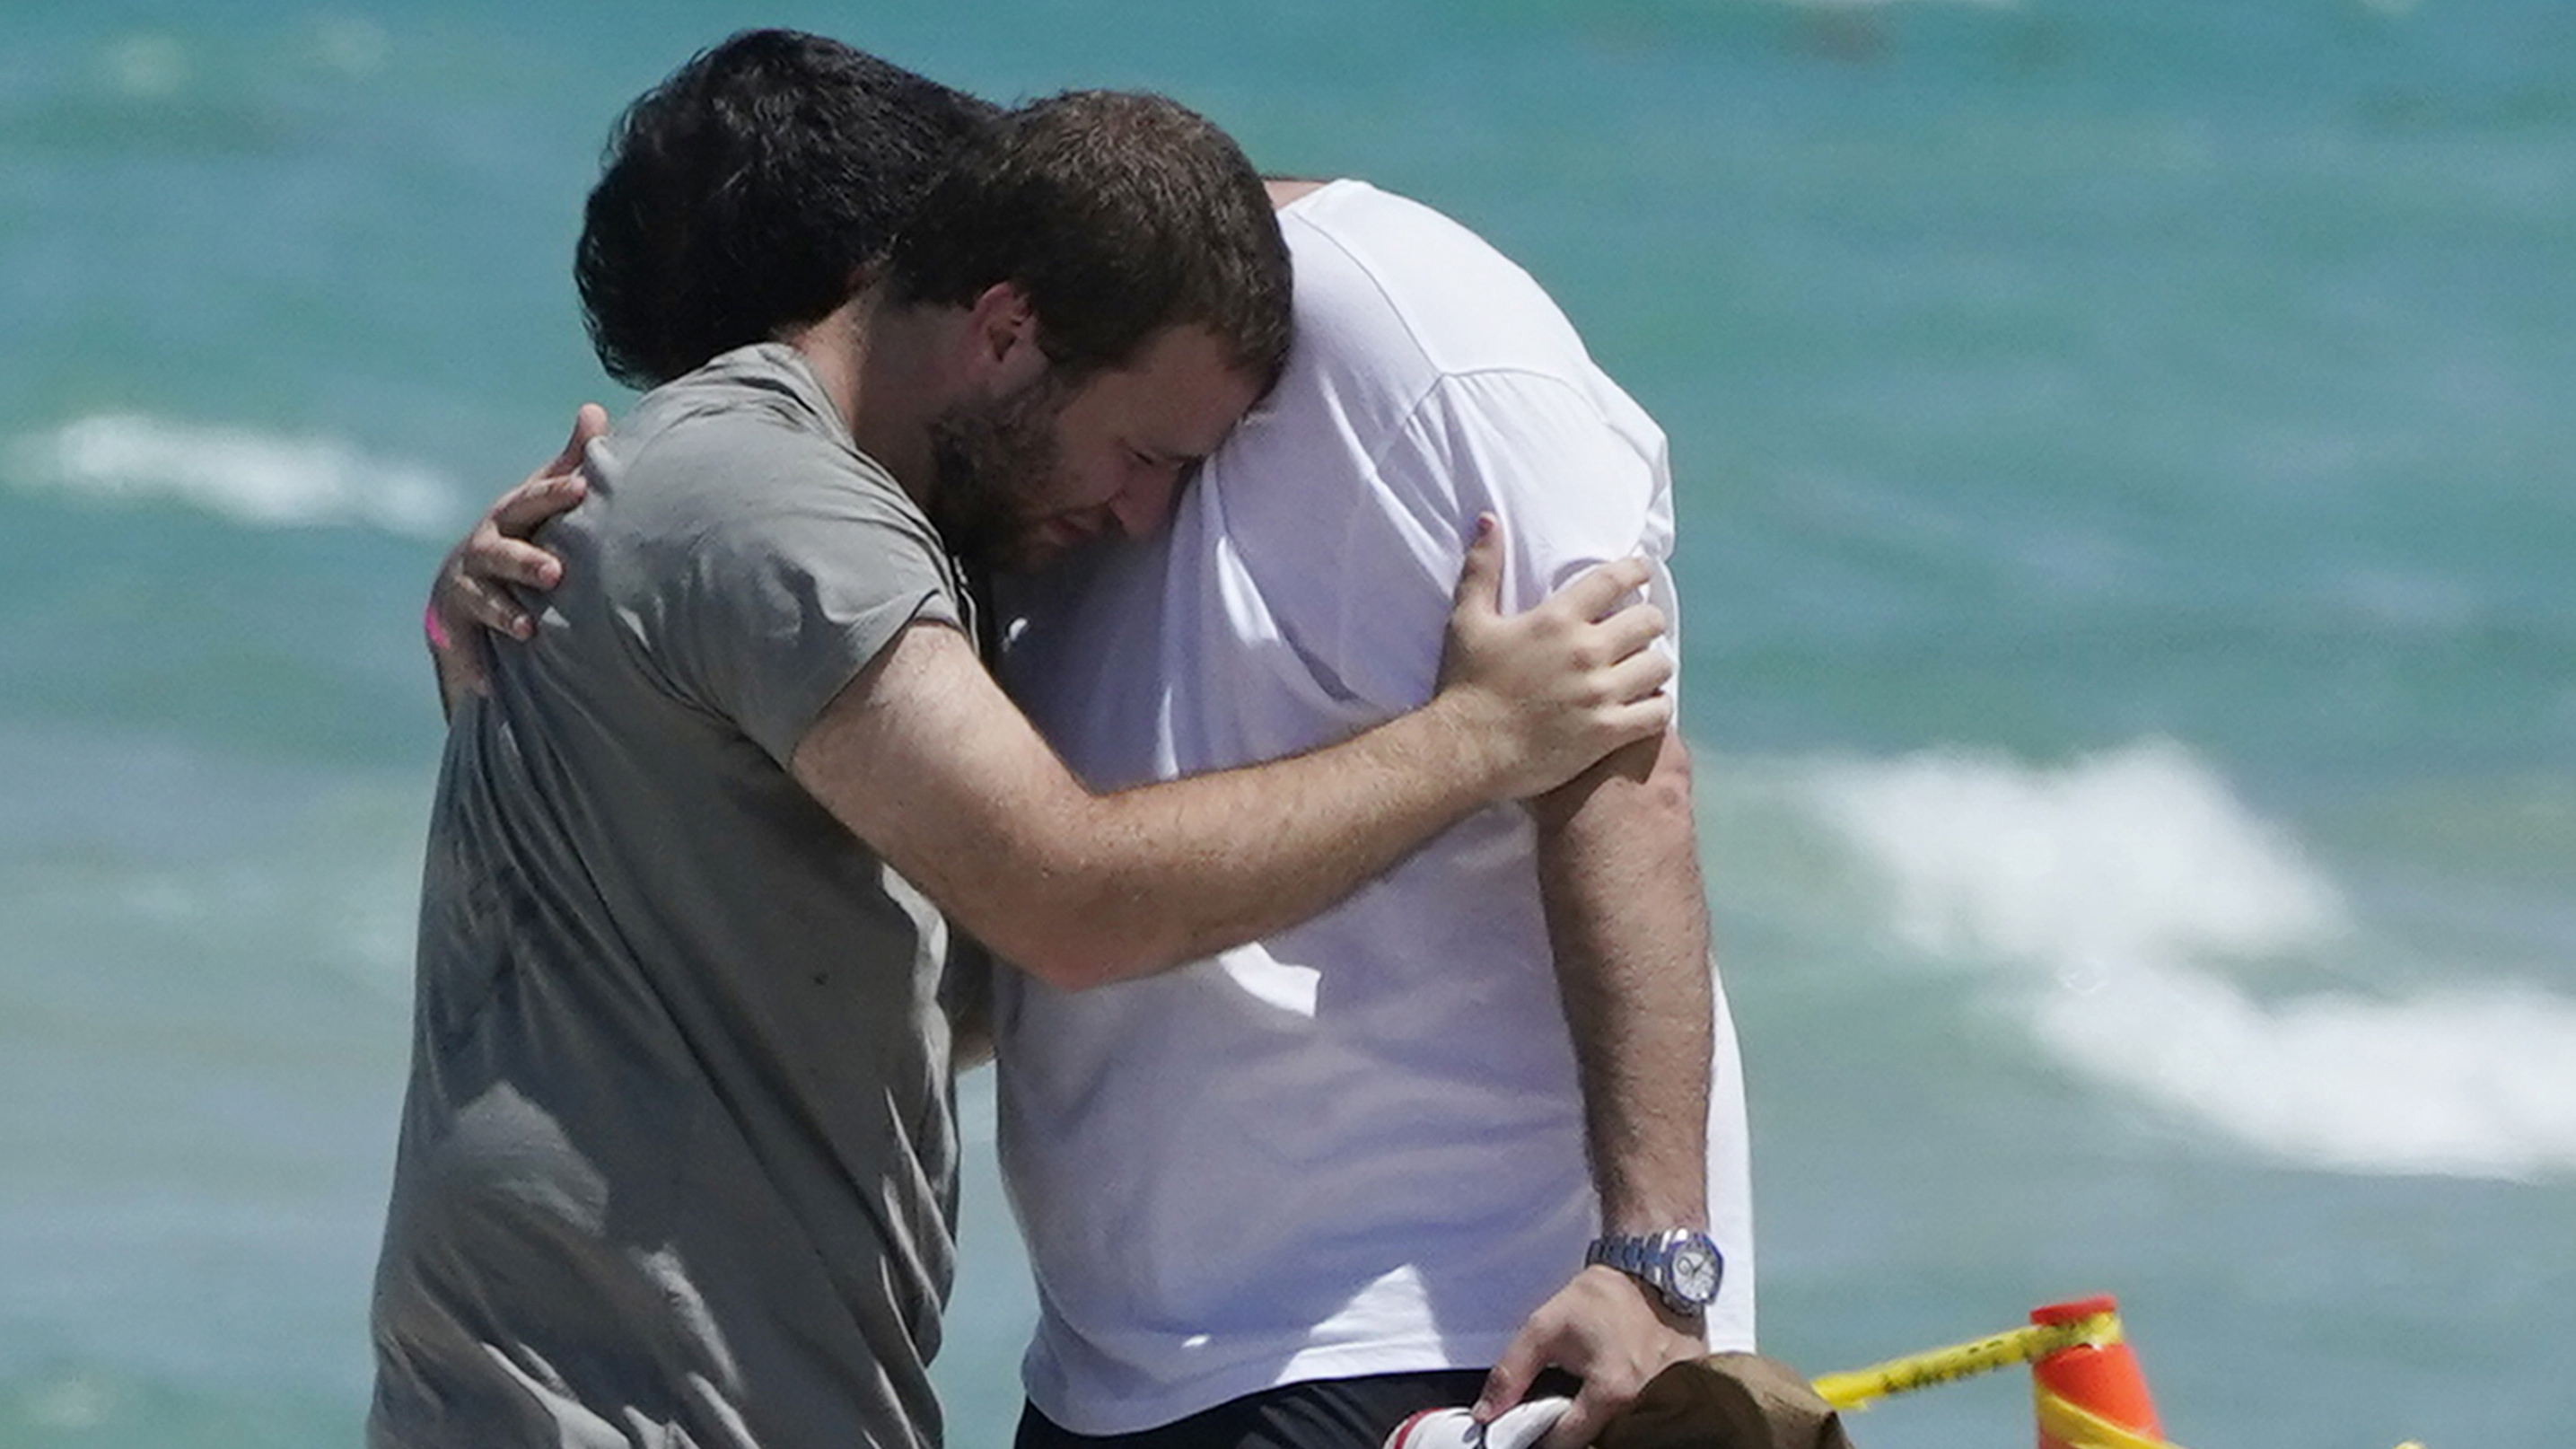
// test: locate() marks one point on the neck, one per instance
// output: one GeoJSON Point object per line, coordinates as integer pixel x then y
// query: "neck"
{"type": "Point", "coordinates": [1284, 190]}
{"type": "Point", "coordinates": [875, 364]}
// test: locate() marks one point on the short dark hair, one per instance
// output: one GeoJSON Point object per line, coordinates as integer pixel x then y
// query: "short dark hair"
{"type": "Point", "coordinates": [1121, 214]}
{"type": "Point", "coordinates": [748, 193]}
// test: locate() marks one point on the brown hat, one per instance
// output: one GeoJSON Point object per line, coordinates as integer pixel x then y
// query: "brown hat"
{"type": "Point", "coordinates": [1727, 1401]}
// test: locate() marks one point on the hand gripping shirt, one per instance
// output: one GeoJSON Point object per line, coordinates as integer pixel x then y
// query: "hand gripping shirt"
{"type": "Point", "coordinates": [1355, 1147]}
{"type": "Point", "coordinates": [677, 1162]}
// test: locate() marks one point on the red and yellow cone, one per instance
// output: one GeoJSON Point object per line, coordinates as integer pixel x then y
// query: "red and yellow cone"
{"type": "Point", "coordinates": [2091, 1394]}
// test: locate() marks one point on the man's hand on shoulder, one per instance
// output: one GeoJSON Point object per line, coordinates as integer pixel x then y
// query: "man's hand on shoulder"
{"type": "Point", "coordinates": [1542, 695]}
{"type": "Point", "coordinates": [470, 599]}
{"type": "Point", "coordinates": [1604, 1327]}
{"type": "Point", "coordinates": [923, 757]}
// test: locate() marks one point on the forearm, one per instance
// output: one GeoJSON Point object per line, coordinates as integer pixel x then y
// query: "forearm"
{"type": "Point", "coordinates": [922, 758]}
{"type": "Point", "coordinates": [1627, 918]}
{"type": "Point", "coordinates": [1173, 872]}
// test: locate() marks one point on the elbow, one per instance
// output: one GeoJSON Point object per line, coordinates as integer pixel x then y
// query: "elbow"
{"type": "Point", "coordinates": [1668, 788]}
{"type": "Point", "coordinates": [1645, 783]}
{"type": "Point", "coordinates": [1069, 968]}
{"type": "Point", "coordinates": [1081, 945]}
{"type": "Point", "coordinates": [1075, 970]}
{"type": "Point", "coordinates": [1068, 909]}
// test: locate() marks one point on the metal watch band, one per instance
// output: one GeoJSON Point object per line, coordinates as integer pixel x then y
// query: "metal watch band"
{"type": "Point", "coordinates": [1649, 1258]}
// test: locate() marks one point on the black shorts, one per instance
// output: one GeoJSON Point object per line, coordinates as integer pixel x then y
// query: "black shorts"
{"type": "Point", "coordinates": [1325, 1414]}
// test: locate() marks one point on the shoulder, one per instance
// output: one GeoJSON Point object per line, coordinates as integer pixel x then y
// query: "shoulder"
{"type": "Point", "coordinates": [745, 451]}
{"type": "Point", "coordinates": [754, 410]}
{"type": "Point", "coordinates": [1406, 275]}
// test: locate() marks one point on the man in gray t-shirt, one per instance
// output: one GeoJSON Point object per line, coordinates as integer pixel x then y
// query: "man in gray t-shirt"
{"type": "Point", "coordinates": [687, 1065]}
{"type": "Point", "coordinates": [677, 1165]}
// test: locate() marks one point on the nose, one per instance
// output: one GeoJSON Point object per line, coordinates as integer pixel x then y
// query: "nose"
{"type": "Point", "coordinates": [1144, 503]}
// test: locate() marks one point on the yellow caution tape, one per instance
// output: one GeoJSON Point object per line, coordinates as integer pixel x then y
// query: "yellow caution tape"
{"type": "Point", "coordinates": [1856, 1388]}
{"type": "Point", "coordinates": [2069, 1423]}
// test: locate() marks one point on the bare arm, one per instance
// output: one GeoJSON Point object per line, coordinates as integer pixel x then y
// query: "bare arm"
{"type": "Point", "coordinates": [924, 758]}
{"type": "Point", "coordinates": [470, 595]}
{"type": "Point", "coordinates": [1628, 918]}
{"type": "Point", "coordinates": [1619, 876]}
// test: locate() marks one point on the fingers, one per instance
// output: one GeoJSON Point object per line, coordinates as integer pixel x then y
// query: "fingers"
{"type": "Point", "coordinates": [555, 486]}
{"type": "Point", "coordinates": [1640, 719]}
{"type": "Point", "coordinates": [1637, 676]}
{"type": "Point", "coordinates": [470, 605]}
{"type": "Point", "coordinates": [1593, 592]}
{"type": "Point", "coordinates": [1631, 629]}
{"type": "Point", "coordinates": [1480, 578]}
{"type": "Point", "coordinates": [1584, 1420]}
{"type": "Point", "coordinates": [1601, 1329]}
{"type": "Point", "coordinates": [519, 512]}
{"type": "Point", "coordinates": [1511, 1374]}
{"type": "Point", "coordinates": [588, 422]}
{"type": "Point", "coordinates": [491, 558]}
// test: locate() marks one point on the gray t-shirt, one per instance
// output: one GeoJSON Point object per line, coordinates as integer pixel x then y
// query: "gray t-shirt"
{"type": "Point", "coordinates": [678, 1165]}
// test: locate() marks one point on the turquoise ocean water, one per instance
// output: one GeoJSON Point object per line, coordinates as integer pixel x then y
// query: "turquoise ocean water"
{"type": "Point", "coordinates": [2128, 530]}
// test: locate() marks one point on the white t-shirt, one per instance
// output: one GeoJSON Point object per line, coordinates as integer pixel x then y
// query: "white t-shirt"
{"type": "Point", "coordinates": [1356, 1147]}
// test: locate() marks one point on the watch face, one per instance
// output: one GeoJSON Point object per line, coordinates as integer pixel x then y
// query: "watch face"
{"type": "Point", "coordinates": [1695, 1271]}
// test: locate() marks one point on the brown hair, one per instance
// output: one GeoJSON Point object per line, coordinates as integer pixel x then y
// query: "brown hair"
{"type": "Point", "coordinates": [1120, 214]}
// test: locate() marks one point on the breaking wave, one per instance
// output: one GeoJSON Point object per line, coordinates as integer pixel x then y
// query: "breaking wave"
{"type": "Point", "coordinates": [2126, 902]}
{"type": "Point", "coordinates": [262, 479]}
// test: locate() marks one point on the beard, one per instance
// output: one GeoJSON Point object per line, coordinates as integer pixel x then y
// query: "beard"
{"type": "Point", "coordinates": [996, 462]}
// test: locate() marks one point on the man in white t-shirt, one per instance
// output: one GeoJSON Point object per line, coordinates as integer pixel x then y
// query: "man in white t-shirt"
{"type": "Point", "coordinates": [1290, 1194]}
{"type": "Point", "coordinates": [1357, 1151]}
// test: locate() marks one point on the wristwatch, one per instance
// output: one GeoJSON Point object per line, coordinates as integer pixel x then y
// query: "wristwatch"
{"type": "Point", "coordinates": [1682, 1265]}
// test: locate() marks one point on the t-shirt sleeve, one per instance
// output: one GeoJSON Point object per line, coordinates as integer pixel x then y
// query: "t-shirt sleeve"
{"type": "Point", "coordinates": [795, 571]}
{"type": "Point", "coordinates": [1571, 489]}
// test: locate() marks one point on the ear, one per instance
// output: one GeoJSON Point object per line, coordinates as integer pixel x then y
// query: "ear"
{"type": "Point", "coordinates": [1002, 332]}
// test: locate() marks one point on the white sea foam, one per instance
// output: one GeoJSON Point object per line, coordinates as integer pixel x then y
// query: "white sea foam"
{"type": "Point", "coordinates": [253, 477]}
{"type": "Point", "coordinates": [2138, 853]}
{"type": "Point", "coordinates": [2468, 1083]}
{"type": "Point", "coordinates": [2123, 901]}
